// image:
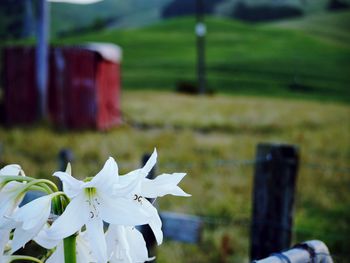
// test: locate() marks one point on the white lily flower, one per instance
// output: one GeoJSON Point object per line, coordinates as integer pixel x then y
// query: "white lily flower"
{"type": "Point", "coordinates": [83, 251]}
{"type": "Point", "coordinates": [11, 196]}
{"type": "Point", "coordinates": [91, 204]}
{"type": "Point", "coordinates": [126, 244]}
{"type": "Point", "coordinates": [11, 170]}
{"type": "Point", "coordinates": [10, 193]}
{"type": "Point", "coordinates": [31, 218]}
{"type": "Point", "coordinates": [141, 188]}
{"type": "Point", "coordinates": [9, 202]}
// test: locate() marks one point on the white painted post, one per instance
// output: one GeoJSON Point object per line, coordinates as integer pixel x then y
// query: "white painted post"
{"type": "Point", "coordinates": [310, 251]}
{"type": "Point", "coordinates": [42, 56]}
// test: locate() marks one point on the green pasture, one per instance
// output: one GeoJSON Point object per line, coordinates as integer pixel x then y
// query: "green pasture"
{"type": "Point", "coordinates": [277, 82]}
{"type": "Point", "coordinates": [207, 137]}
{"type": "Point", "coordinates": [307, 58]}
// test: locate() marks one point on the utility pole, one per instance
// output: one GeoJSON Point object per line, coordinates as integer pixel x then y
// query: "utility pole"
{"type": "Point", "coordinates": [200, 34]}
{"type": "Point", "coordinates": [28, 19]}
{"type": "Point", "coordinates": [42, 55]}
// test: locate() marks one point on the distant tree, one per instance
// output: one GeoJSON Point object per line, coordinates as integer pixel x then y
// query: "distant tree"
{"type": "Point", "coordinates": [257, 13]}
{"type": "Point", "coordinates": [12, 15]}
{"type": "Point", "coordinates": [338, 5]}
{"type": "Point", "coordinates": [187, 7]}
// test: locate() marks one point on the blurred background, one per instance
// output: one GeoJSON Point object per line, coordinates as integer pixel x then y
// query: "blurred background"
{"type": "Point", "coordinates": [203, 81]}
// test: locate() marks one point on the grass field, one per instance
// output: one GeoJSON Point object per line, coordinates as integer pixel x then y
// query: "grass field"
{"type": "Point", "coordinates": [205, 137]}
{"type": "Point", "coordinates": [252, 68]}
{"type": "Point", "coordinates": [264, 60]}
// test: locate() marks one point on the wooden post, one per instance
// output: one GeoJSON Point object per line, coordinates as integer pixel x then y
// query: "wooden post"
{"type": "Point", "coordinates": [273, 197]}
{"type": "Point", "coordinates": [65, 156]}
{"type": "Point", "coordinates": [42, 56]}
{"type": "Point", "coordinates": [146, 231]}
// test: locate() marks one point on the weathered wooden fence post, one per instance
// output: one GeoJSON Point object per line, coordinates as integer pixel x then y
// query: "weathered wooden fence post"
{"type": "Point", "coordinates": [273, 198]}
{"type": "Point", "coordinates": [65, 156]}
{"type": "Point", "coordinates": [146, 231]}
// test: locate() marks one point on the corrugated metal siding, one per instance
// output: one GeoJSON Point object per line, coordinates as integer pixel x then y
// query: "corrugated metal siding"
{"type": "Point", "coordinates": [83, 88]}
{"type": "Point", "coordinates": [20, 94]}
{"type": "Point", "coordinates": [108, 81]}
{"type": "Point", "coordinates": [72, 92]}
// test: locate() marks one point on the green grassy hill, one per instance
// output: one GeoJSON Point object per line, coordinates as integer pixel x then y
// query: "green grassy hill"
{"type": "Point", "coordinates": [241, 58]}
{"type": "Point", "coordinates": [333, 27]}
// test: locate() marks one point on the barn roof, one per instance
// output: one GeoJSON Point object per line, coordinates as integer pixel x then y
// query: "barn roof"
{"type": "Point", "coordinates": [108, 51]}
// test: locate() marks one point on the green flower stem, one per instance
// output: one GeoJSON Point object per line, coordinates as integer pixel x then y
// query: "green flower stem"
{"type": "Point", "coordinates": [59, 202]}
{"type": "Point", "coordinates": [43, 183]}
{"type": "Point", "coordinates": [50, 186]}
{"type": "Point", "coordinates": [70, 249]}
{"type": "Point", "coordinates": [26, 258]}
{"type": "Point", "coordinates": [7, 178]}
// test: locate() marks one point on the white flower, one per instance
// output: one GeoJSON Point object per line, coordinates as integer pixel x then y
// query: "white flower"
{"type": "Point", "coordinates": [11, 193]}
{"type": "Point", "coordinates": [126, 244]}
{"type": "Point", "coordinates": [83, 251]}
{"type": "Point", "coordinates": [9, 201]}
{"type": "Point", "coordinates": [140, 188]}
{"type": "Point", "coordinates": [11, 170]}
{"type": "Point", "coordinates": [91, 204]}
{"type": "Point", "coordinates": [30, 218]}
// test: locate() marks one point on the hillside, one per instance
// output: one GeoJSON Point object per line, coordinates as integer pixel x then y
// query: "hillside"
{"type": "Point", "coordinates": [241, 58]}
{"type": "Point", "coordinates": [68, 17]}
{"type": "Point", "coordinates": [327, 26]}
{"type": "Point", "coordinates": [137, 13]}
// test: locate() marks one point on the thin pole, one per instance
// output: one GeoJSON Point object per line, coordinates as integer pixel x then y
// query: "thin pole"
{"type": "Point", "coordinates": [42, 56]}
{"type": "Point", "coordinates": [200, 33]}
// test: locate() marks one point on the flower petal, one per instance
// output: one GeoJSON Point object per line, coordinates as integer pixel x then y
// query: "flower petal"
{"type": "Point", "coordinates": [122, 211]}
{"type": "Point", "coordinates": [150, 163]}
{"type": "Point", "coordinates": [43, 239]}
{"type": "Point", "coordinates": [11, 170]}
{"type": "Point", "coordinates": [117, 245]}
{"type": "Point", "coordinates": [106, 177]}
{"type": "Point", "coordinates": [21, 237]}
{"type": "Point", "coordinates": [10, 198]}
{"type": "Point", "coordinates": [72, 219]}
{"type": "Point", "coordinates": [84, 253]}
{"type": "Point", "coordinates": [71, 186]}
{"type": "Point", "coordinates": [33, 217]}
{"type": "Point", "coordinates": [155, 223]}
{"type": "Point", "coordinates": [94, 230]}
{"type": "Point", "coordinates": [34, 212]}
{"type": "Point", "coordinates": [162, 185]}
{"type": "Point", "coordinates": [58, 255]}
{"type": "Point", "coordinates": [128, 184]}
{"type": "Point", "coordinates": [138, 245]}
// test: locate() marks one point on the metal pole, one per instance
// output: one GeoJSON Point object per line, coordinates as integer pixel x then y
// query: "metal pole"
{"type": "Point", "coordinates": [42, 56]}
{"type": "Point", "coordinates": [200, 33]}
{"type": "Point", "coordinates": [309, 251]}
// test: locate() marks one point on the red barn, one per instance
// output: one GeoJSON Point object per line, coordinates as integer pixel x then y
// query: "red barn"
{"type": "Point", "coordinates": [83, 86]}
{"type": "Point", "coordinates": [20, 93]}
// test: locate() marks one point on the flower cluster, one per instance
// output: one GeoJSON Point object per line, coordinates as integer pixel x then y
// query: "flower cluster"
{"type": "Point", "coordinates": [98, 215]}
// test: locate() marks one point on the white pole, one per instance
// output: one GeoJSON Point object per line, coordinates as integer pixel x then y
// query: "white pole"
{"type": "Point", "coordinates": [42, 56]}
{"type": "Point", "coordinates": [314, 249]}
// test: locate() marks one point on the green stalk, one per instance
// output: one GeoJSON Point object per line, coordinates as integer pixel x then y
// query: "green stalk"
{"type": "Point", "coordinates": [70, 249]}
{"type": "Point", "coordinates": [26, 258]}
